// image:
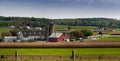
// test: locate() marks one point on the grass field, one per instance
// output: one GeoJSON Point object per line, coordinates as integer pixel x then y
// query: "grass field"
{"type": "Point", "coordinates": [62, 51]}
{"type": "Point", "coordinates": [73, 27]}
{"type": "Point", "coordinates": [58, 60]}
{"type": "Point", "coordinates": [4, 29]}
{"type": "Point", "coordinates": [109, 39]}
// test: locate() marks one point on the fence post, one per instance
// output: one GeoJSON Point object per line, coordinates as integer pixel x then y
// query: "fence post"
{"type": "Point", "coordinates": [73, 55]}
{"type": "Point", "coordinates": [16, 55]}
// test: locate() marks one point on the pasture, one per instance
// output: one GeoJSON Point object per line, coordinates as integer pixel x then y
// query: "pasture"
{"type": "Point", "coordinates": [109, 39]}
{"type": "Point", "coordinates": [62, 27]}
{"type": "Point", "coordinates": [4, 29]}
{"type": "Point", "coordinates": [62, 51]}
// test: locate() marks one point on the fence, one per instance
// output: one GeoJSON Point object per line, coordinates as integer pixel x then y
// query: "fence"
{"type": "Point", "coordinates": [61, 58]}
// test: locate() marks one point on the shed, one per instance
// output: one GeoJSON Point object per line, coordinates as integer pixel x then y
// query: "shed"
{"type": "Point", "coordinates": [10, 38]}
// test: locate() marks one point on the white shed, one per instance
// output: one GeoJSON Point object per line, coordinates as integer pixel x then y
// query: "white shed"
{"type": "Point", "coordinates": [10, 38]}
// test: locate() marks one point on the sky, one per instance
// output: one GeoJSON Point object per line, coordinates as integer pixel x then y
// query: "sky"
{"type": "Point", "coordinates": [61, 8]}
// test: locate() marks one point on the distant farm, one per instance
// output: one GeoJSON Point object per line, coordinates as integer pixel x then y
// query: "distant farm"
{"type": "Point", "coordinates": [45, 39]}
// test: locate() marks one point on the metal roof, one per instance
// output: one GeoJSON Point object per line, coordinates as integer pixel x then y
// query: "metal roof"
{"type": "Point", "coordinates": [55, 35]}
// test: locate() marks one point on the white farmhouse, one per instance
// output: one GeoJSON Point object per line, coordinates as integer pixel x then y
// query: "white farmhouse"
{"type": "Point", "coordinates": [31, 35]}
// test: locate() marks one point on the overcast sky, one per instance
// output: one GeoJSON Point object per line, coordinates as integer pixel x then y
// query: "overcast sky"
{"type": "Point", "coordinates": [60, 8]}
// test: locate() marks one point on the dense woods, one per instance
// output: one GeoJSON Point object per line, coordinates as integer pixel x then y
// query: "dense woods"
{"type": "Point", "coordinates": [31, 21]}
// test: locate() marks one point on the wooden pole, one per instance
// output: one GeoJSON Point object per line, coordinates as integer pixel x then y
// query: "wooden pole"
{"type": "Point", "coordinates": [16, 55]}
{"type": "Point", "coordinates": [73, 55]}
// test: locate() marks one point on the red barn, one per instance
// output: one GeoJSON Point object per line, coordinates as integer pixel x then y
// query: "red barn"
{"type": "Point", "coordinates": [58, 37]}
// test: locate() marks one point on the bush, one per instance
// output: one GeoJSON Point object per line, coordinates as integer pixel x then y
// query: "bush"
{"type": "Point", "coordinates": [1, 40]}
{"type": "Point", "coordinates": [31, 40]}
{"type": "Point", "coordinates": [2, 57]}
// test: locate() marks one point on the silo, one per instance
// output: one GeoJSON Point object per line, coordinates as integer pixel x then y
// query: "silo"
{"type": "Point", "coordinates": [51, 28]}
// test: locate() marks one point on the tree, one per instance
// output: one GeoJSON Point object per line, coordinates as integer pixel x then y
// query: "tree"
{"type": "Point", "coordinates": [6, 34]}
{"type": "Point", "coordinates": [69, 28]}
{"type": "Point", "coordinates": [85, 33]}
{"type": "Point", "coordinates": [75, 34]}
{"type": "Point", "coordinates": [80, 34]}
{"type": "Point", "coordinates": [14, 32]}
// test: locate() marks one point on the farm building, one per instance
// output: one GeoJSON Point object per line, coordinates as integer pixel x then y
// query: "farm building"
{"type": "Point", "coordinates": [98, 29]}
{"type": "Point", "coordinates": [31, 35]}
{"type": "Point", "coordinates": [10, 38]}
{"type": "Point", "coordinates": [38, 28]}
{"type": "Point", "coordinates": [58, 37]}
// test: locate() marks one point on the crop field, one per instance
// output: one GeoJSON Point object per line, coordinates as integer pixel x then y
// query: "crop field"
{"type": "Point", "coordinates": [4, 29]}
{"type": "Point", "coordinates": [62, 51]}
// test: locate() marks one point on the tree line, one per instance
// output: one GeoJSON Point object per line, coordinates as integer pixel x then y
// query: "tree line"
{"type": "Point", "coordinates": [32, 21]}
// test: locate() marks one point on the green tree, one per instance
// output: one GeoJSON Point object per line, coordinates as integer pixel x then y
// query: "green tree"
{"type": "Point", "coordinates": [85, 33]}
{"type": "Point", "coordinates": [75, 34]}
{"type": "Point", "coordinates": [6, 34]}
{"type": "Point", "coordinates": [14, 32]}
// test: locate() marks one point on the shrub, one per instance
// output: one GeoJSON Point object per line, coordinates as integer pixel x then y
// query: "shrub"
{"type": "Point", "coordinates": [1, 40]}
{"type": "Point", "coordinates": [31, 40]}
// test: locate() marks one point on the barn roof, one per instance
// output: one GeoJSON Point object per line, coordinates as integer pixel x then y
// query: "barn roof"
{"type": "Point", "coordinates": [32, 33]}
{"type": "Point", "coordinates": [55, 35]}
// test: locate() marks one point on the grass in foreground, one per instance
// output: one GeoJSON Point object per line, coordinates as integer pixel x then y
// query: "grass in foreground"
{"type": "Point", "coordinates": [58, 60]}
{"type": "Point", "coordinates": [62, 51]}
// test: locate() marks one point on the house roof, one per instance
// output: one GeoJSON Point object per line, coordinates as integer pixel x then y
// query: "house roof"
{"type": "Point", "coordinates": [33, 33]}
{"type": "Point", "coordinates": [55, 35]}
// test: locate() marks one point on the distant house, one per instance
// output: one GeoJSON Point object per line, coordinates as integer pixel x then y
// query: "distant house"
{"type": "Point", "coordinates": [98, 29]}
{"type": "Point", "coordinates": [38, 28]}
{"type": "Point", "coordinates": [31, 35]}
{"type": "Point", "coordinates": [58, 37]}
{"type": "Point", "coordinates": [10, 39]}
{"type": "Point", "coordinates": [12, 27]}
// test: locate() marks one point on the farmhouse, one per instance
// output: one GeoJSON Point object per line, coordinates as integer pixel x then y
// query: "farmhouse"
{"type": "Point", "coordinates": [31, 35]}
{"type": "Point", "coordinates": [58, 37]}
{"type": "Point", "coordinates": [98, 29]}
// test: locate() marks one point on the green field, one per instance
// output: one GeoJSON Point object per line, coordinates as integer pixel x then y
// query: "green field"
{"type": "Point", "coordinates": [4, 29]}
{"type": "Point", "coordinates": [109, 39]}
{"type": "Point", "coordinates": [62, 51]}
{"type": "Point", "coordinates": [73, 27]}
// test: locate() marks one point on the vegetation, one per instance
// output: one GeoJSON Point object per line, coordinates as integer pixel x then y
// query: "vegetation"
{"type": "Point", "coordinates": [109, 39]}
{"type": "Point", "coordinates": [62, 51]}
{"type": "Point", "coordinates": [1, 40]}
{"type": "Point", "coordinates": [14, 32]}
{"type": "Point", "coordinates": [4, 29]}
{"type": "Point", "coordinates": [81, 34]}
{"type": "Point", "coordinates": [21, 21]}
{"type": "Point", "coordinates": [57, 60]}
{"type": "Point", "coordinates": [6, 34]}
